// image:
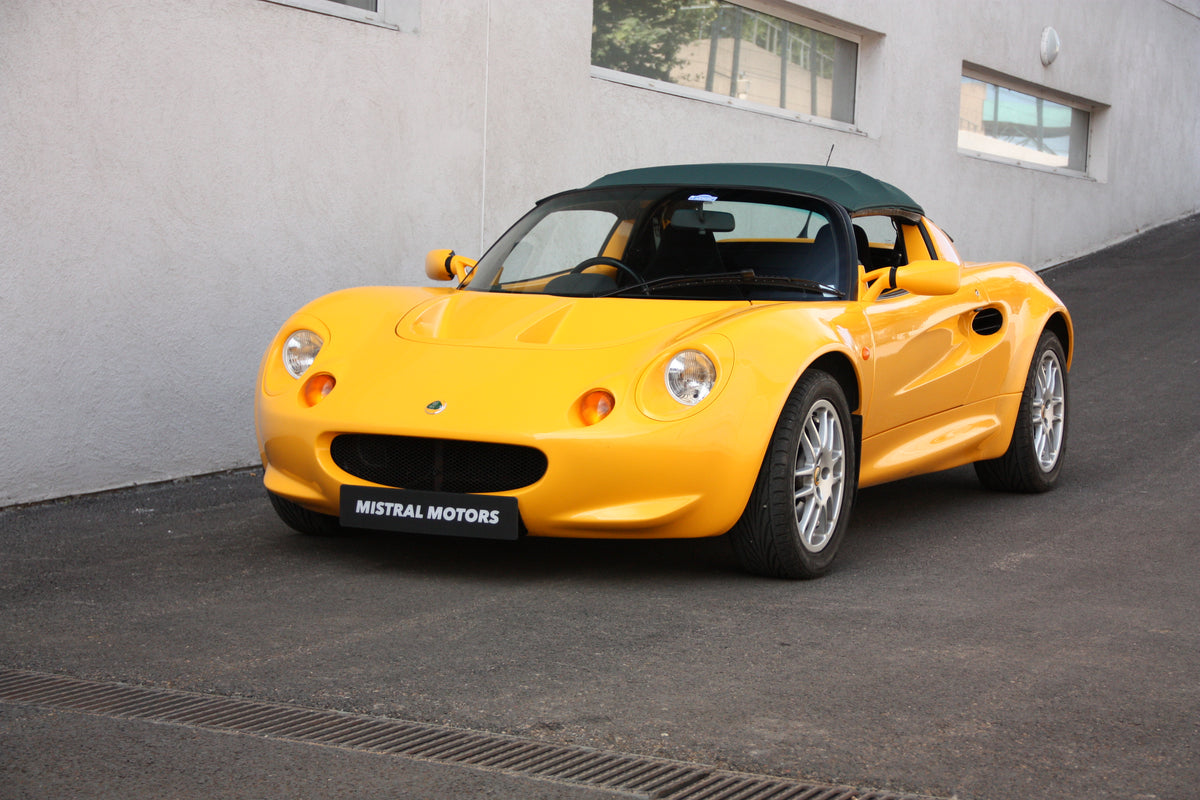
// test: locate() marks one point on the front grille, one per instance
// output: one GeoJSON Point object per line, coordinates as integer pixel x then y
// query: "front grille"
{"type": "Point", "coordinates": [438, 465]}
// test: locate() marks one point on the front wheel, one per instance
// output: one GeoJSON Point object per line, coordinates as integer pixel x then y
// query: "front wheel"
{"type": "Point", "coordinates": [1035, 456]}
{"type": "Point", "coordinates": [800, 505]}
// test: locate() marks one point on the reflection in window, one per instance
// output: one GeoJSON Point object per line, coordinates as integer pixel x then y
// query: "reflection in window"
{"type": "Point", "coordinates": [725, 49]}
{"type": "Point", "coordinates": [558, 242]}
{"type": "Point", "coordinates": [767, 221]}
{"type": "Point", "coordinates": [999, 121]}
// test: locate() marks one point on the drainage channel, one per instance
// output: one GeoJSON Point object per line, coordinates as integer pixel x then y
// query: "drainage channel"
{"type": "Point", "coordinates": [656, 778]}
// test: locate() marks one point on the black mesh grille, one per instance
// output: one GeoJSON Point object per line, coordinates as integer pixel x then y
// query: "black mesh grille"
{"type": "Point", "coordinates": [438, 465]}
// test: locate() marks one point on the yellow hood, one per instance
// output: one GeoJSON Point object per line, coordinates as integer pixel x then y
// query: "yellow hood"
{"type": "Point", "coordinates": [525, 320]}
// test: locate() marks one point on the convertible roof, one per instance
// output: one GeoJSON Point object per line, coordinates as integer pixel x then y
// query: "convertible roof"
{"type": "Point", "coordinates": [849, 188]}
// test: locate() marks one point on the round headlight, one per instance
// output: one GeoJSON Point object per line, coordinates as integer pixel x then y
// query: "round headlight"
{"type": "Point", "coordinates": [299, 350]}
{"type": "Point", "coordinates": [690, 377]}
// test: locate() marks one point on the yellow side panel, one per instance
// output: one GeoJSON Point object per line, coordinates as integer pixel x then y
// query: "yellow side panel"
{"type": "Point", "coordinates": [956, 437]}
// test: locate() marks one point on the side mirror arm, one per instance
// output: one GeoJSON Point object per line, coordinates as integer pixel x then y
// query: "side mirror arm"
{"type": "Point", "coordinates": [445, 265]}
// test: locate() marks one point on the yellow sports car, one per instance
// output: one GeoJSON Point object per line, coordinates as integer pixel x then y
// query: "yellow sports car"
{"type": "Point", "coordinates": [674, 351]}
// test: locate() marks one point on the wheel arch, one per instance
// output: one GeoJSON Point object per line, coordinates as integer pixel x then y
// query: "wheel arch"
{"type": "Point", "coordinates": [839, 365]}
{"type": "Point", "coordinates": [1060, 325]}
{"type": "Point", "coordinates": [769, 538]}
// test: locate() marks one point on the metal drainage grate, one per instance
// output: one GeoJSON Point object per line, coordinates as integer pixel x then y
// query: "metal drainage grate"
{"type": "Point", "coordinates": [656, 778]}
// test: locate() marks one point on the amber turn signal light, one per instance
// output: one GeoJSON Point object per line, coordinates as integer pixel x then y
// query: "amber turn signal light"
{"type": "Point", "coordinates": [596, 405]}
{"type": "Point", "coordinates": [317, 388]}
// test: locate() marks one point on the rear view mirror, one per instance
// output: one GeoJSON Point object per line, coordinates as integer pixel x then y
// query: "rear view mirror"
{"type": "Point", "coordinates": [701, 220]}
{"type": "Point", "coordinates": [444, 265]}
{"type": "Point", "coordinates": [929, 277]}
{"type": "Point", "coordinates": [919, 277]}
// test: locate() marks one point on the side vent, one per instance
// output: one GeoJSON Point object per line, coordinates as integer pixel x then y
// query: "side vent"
{"type": "Point", "coordinates": [987, 321]}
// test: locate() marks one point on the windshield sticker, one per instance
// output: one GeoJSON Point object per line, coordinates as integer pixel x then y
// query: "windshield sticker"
{"type": "Point", "coordinates": [703, 198]}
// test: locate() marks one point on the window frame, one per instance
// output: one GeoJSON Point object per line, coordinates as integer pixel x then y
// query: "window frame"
{"type": "Point", "coordinates": [861, 38]}
{"type": "Point", "coordinates": [396, 15]}
{"type": "Point", "coordinates": [1094, 110]}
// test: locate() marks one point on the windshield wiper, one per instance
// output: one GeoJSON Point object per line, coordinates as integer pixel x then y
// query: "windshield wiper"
{"type": "Point", "coordinates": [745, 277]}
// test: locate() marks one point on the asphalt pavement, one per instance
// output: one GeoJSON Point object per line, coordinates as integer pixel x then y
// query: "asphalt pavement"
{"type": "Point", "coordinates": [968, 644]}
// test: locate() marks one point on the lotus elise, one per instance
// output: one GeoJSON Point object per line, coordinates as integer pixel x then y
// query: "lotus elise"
{"type": "Point", "coordinates": [676, 351]}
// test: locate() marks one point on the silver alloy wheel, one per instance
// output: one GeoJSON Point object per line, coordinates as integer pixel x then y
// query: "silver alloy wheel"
{"type": "Point", "coordinates": [1048, 410]}
{"type": "Point", "coordinates": [820, 476]}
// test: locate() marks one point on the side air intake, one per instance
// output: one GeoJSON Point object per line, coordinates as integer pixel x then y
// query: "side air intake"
{"type": "Point", "coordinates": [987, 321]}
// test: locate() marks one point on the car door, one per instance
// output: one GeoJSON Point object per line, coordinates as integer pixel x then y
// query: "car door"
{"type": "Point", "coordinates": [923, 361]}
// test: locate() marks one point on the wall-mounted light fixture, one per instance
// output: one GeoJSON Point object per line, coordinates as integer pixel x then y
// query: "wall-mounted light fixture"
{"type": "Point", "coordinates": [1051, 44]}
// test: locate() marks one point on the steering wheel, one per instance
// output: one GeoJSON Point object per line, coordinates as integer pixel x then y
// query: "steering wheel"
{"type": "Point", "coordinates": [608, 262]}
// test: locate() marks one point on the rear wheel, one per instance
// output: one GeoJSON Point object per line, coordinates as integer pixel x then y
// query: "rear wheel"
{"type": "Point", "coordinates": [800, 505]}
{"type": "Point", "coordinates": [1035, 456]}
{"type": "Point", "coordinates": [301, 519]}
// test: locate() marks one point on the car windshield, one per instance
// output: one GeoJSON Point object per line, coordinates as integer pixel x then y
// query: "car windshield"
{"type": "Point", "coordinates": [670, 242]}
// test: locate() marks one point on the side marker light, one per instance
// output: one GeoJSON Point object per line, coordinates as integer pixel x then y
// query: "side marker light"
{"type": "Point", "coordinates": [596, 405]}
{"type": "Point", "coordinates": [317, 388]}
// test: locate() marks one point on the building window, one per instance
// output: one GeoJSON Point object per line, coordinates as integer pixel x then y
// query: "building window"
{"type": "Point", "coordinates": [1024, 126]}
{"type": "Point", "coordinates": [403, 15]}
{"type": "Point", "coordinates": [729, 51]}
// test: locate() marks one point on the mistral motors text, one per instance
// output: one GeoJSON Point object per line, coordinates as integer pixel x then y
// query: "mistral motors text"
{"type": "Point", "coordinates": [377, 508]}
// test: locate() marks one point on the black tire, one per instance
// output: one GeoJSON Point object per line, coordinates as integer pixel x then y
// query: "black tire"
{"type": "Point", "coordinates": [1035, 455]}
{"type": "Point", "coordinates": [299, 518]}
{"type": "Point", "coordinates": [799, 508]}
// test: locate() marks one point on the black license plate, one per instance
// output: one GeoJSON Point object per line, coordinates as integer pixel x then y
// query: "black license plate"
{"type": "Point", "coordinates": [476, 516]}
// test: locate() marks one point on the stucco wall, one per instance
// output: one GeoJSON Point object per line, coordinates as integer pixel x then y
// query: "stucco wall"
{"type": "Point", "coordinates": [177, 176]}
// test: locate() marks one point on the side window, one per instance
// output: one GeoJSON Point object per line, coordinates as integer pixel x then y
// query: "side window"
{"type": "Point", "coordinates": [943, 243]}
{"type": "Point", "coordinates": [879, 242]}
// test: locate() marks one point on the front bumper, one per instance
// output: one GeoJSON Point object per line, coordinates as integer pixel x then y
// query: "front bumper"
{"type": "Point", "coordinates": [662, 482]}
{"type": "Point", "coordinates": [628, 476]}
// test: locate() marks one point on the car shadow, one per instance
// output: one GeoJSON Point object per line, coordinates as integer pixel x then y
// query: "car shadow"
{"type": "Point", "coordinates": [912, 511]}
{"type": "Point", "coordinates": [916, 501]}
{"type": "Point", "coordinates": [528, 559]}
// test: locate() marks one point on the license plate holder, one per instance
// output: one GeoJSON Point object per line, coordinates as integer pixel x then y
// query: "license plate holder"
{"type": "Point", "coordinates": [475, 516]}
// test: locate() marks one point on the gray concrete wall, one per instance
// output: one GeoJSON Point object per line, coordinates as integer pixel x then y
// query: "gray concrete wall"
{"type": "Point", "coordinates": [176, 177]}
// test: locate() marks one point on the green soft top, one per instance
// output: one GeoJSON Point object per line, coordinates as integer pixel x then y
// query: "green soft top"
{"type": "Point", "coordinates": [849, 188]}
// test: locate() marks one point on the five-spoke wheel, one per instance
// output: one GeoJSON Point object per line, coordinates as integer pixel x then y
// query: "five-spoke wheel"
{"type": "Point", "coordinates": [800, 505]}
{"type": "Point", "coordinates": [1039, 441]}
